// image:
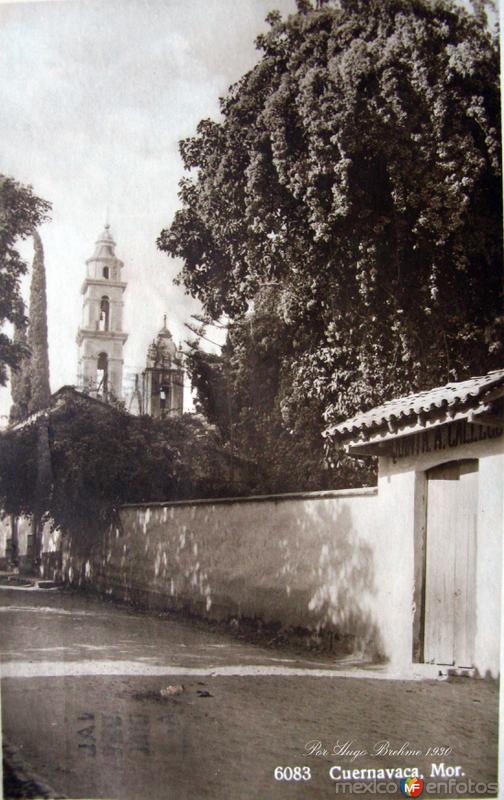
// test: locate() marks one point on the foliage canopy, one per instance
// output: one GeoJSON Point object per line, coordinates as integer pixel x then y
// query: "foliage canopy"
{"type": "Point", "coordinates": [30, 387]}
{"type": "Point", "coordinates": [78, 463]}
{"type": "Point", "coordinates": [356, 170]}
{"type": "Point", "coordinates": [241, 391]}
{"type": "Point", "coordinates": [40, 391]}
{"type": "Point", "coordinates": [20, 213]}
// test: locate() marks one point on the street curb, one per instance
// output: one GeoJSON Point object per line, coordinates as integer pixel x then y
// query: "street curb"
{"type": "Point", "coordinates": [20, 780]}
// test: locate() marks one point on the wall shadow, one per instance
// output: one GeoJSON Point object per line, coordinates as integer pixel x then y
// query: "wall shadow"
{"type": "Point", "coordinates": [300, 563]}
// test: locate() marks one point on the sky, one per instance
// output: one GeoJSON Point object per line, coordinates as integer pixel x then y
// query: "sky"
{"type": "Point", "coordinates": [96, 95]}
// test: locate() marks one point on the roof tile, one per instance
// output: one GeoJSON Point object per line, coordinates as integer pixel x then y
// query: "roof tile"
{"type": "Point", "coordinates": [452, 395]}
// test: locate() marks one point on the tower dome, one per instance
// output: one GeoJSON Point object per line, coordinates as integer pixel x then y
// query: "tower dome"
{"type": "Point", "coordinates": [104, 263]}
{"type": "Point", "coordinates": [105, 245]}
{"type": "Point", "coordinates": [163, 349]}
{"type": "Point", "coordinates": [163, 378]}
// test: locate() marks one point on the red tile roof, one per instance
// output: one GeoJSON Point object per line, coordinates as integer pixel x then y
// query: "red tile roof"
{"type": "Point", "coordinates": [453, 398]}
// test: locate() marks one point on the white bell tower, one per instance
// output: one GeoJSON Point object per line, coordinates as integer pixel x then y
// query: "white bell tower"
{"type": "Point", "coordinates": [100, 337]}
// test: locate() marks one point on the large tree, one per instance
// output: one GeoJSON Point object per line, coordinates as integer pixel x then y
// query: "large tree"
{"type": "Point", "coordinates": [40, 391]}
{"type": "Point", "coordinates": [30, 387]}
{"type": "Point", "coordinates": [356, 169]}
{"type": "Point", "coordinates": [21, 211]}
{"type": "Point", "coordinates": [243, 392]}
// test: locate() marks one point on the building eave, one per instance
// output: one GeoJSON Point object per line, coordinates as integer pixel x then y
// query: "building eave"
{"type": "Point", "coordinates": [371, 432]}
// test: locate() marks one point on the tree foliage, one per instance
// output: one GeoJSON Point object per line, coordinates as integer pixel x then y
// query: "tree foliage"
{"type": "Point", "coordinates": [20, 213]}
{"type": "Point", "coordinates": [40, 391]}
{"type": "Point", "coordinates": [243, 392]}
{"type": "Point", "coordinates": [30, 387]}
{"type": "Point", "coordinates": [94, 458]}
{"type": "Point", "coordinates": [356, 168]}
{"type": "Point", "coordinates": [20, 377]}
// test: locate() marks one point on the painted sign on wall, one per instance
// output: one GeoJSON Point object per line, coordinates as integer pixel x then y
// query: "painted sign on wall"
{"type": "Point", "coordinates": [444, 437]}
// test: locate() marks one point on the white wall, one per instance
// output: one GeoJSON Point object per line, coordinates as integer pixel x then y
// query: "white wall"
{"type": "Point", "coordinates": [318, 561]}
{"type": "Point", "coordinates": [345, 561]}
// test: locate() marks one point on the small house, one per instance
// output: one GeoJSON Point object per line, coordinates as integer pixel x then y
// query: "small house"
{"type": "Point", "coordinates": [440, 520]}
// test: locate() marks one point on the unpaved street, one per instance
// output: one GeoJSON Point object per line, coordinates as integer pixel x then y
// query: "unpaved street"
{"type": "Point", "coordinates": [81, 702]}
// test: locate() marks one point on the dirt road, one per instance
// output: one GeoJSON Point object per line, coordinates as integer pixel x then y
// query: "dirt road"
{"type": "Point", "coordinates": [85, 700]}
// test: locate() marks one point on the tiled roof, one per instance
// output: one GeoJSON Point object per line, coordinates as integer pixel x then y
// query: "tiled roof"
{"type": "Point", "coordinates": [453, 397]}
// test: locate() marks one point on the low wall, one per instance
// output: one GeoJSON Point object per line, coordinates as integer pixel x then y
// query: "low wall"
{"type": "Point", "coordinates": [299, 560]}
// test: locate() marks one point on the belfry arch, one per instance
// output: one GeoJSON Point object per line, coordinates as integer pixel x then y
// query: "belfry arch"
{"type": "Point", "coordinates": [102, 375]}
{"type": "Point", "coordinates": [104, 323]}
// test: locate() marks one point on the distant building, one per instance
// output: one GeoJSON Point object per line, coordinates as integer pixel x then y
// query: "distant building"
{"type": "Point", "coordinates": [161, 390]}
{"type": "Point", "coordinates": [101, 338]}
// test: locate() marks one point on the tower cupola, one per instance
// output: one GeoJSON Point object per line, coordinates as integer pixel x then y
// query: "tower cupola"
{"type": "Point", "coordinates": [163, 378]}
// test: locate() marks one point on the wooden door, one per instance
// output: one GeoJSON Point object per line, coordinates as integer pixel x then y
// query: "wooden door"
{"type": "Point", "coordinates": [452, 501]}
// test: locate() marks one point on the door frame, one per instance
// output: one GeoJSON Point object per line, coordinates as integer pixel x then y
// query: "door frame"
{"type": "Point", "coordinates": [420, 556]}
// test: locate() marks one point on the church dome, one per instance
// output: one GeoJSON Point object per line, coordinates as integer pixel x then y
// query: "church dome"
{"type": "Point", "coordinates": [104, 264]}
{"type": "Point", "coordinates": [165, 334]}
{"type": "Point", "coordinates": [163, 349]}
{"type": "Point", "coordinates": [106, 236]}
{"type": "Point", "coordinates": [105, 245]}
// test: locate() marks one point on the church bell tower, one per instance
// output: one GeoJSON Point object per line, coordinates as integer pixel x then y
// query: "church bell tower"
{"type": "Point", "coordinates": [100, 337]}
{"type": "Point", "coordinates": [163, 377]}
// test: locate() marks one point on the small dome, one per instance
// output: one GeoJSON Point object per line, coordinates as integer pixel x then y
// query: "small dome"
{"type": "Point", "coordinates": [165, 339]}
{"type": "Point", "coordinates": [166, 344]}
{"type": "Point", "coordinates": [105, 245]}
{"type": "Point", "coordinates": [163, 349]}
{"type": "Point", "coordinates": [164, 332]}
{"type": "Point", "coordinates": [106, 236]}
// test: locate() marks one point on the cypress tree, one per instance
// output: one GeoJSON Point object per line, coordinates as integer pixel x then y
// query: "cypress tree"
{"type": "Point", "coordinates": [40, 391]}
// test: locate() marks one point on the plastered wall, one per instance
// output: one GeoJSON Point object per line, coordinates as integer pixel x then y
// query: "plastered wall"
{"type": "Point", "coordinates": [317, 561]}
{"type": "Point", "coordinates": [349, 562]}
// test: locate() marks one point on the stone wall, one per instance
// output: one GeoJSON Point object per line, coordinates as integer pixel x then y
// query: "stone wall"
{"type": "Point", "coordinates": [311, 561]}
